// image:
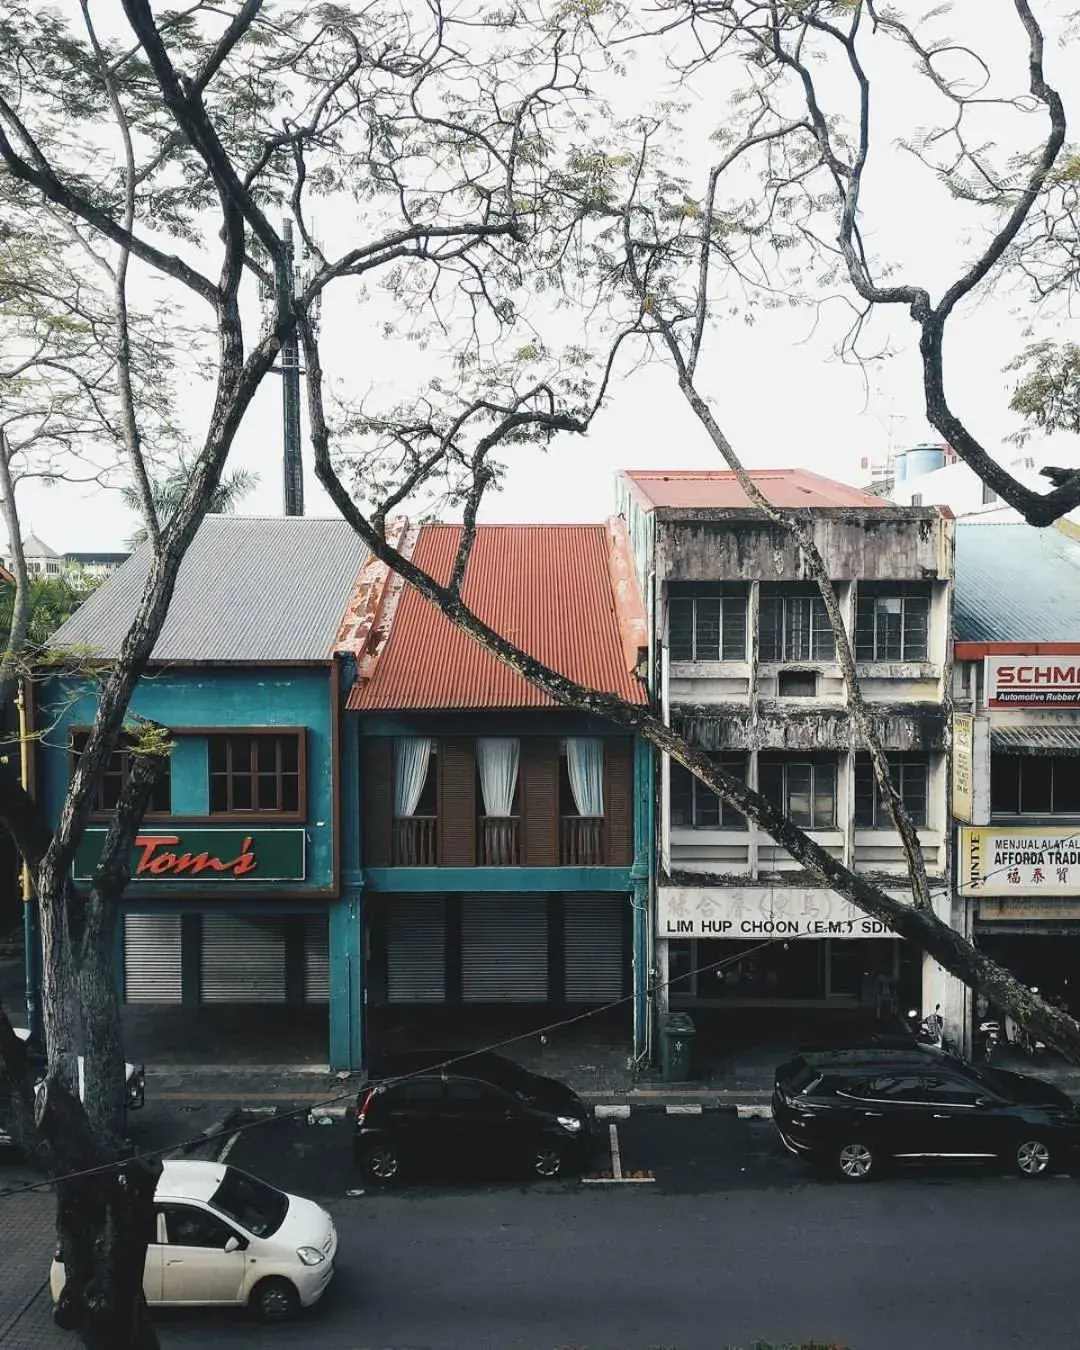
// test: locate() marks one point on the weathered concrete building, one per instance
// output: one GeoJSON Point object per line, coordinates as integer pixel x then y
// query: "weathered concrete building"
{"type": "Point", "coordinates": [742, 660]}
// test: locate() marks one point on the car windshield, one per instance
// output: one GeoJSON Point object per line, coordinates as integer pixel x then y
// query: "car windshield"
{"type": "Point", "coordinates": [255, 1206]}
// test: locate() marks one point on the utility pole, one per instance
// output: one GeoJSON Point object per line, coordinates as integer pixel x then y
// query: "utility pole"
{"type": "Point", "coordinates": [293, 483]}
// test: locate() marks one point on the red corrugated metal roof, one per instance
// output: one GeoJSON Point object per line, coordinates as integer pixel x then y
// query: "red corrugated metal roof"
{"type": "Point", "coordinates": [718, 488]}
{"type": "Point", "coordinates": [546, 588]}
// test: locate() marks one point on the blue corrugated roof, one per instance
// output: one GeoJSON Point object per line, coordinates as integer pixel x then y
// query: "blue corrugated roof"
{"type": "Point", "coordinates": [1015, 583]}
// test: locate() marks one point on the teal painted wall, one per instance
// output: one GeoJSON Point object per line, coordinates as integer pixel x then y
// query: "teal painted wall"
{"type": "Point", "coordinates": [642, 874]}
{"type": "Point", "coordinates": [347, 1029]}
{"type": "Point", "coordinates": [223, 698]}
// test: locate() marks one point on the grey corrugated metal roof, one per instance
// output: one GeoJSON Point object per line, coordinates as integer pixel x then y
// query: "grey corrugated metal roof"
{"type": "Point", "coordinates": [259, 589]}
{"type": "Point", "coordinates": [1054, 740]}
{"type": "Point", "coordinates": [1015, 583]}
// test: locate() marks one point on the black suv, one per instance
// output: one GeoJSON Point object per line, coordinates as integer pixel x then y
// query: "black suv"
{"type": "Point", "coordinates": [438, 1111]}
{"type": "Point", "coordinates": [855, 1110]}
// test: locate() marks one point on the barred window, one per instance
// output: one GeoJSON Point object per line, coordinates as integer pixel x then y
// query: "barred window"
{"type": "Point", "coordinates": [892, 621]}
{"type": "Point", "coordinates": [794, 625]}
{"type": "Point", "coordinates": [911, 776]}
{"type": "Point", "coordinates": [804, 789]}
{"type": "Point", "coordinates": [707, 622]}
{"type": "Point", "coordinates": [695, 806]}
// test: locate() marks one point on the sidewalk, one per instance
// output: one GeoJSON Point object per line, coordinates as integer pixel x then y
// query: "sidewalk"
{"type": "Point", "coordinates": [744, 1080]}
{"type": "Point", "coordinates": [25, 1305]}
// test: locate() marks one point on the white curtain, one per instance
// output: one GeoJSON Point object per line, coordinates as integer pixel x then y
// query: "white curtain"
{"type": "Point", "coordinates": [585, 763]}
{"type": "Point", "coordinates": [497, 758]}
{"type": "Point", "coordinates": [412, 758]}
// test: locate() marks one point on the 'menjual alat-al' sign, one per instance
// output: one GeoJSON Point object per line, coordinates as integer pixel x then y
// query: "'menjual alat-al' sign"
{"type": "Point", "coordinates": [995, 861]}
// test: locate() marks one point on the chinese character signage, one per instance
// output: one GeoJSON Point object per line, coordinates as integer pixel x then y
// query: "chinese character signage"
{"type": "Point", "coordinates": [751, 912]}
{"type": "Point", "coordinates": [199, 856]}
{"type": "Point", "coordinates": [1033, 681]}
{"type": "Point", "coordinates": [963, 766]}
{"type": "Point", "coordinates": [1008, 861]}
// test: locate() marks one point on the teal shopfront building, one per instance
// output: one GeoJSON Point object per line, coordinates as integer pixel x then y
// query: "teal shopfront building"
{"type": "Point", "coordinates": [245, 884]}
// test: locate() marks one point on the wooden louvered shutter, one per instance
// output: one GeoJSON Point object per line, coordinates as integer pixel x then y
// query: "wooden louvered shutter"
{"type": "Point", "coordinates": [618, 799]}
{"type": "Point", "coordinates": [377, 795]}
{"type": "Point", "coordinates": [457, 804]}
{"type": "Point", "coordinates": [540, 802]}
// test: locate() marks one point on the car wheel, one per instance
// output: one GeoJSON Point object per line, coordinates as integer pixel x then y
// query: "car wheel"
{"type": "Point", "coordinates": [1033, 1157]}
{"type": "Point", "coordinates": [547, 1161]}
{"type": "Point", "coordinates": [275, 1300]}
{"type": "Point", "coordinates": [855, 1161]}
{"type": "Point", "coordinates": [382, 1164]}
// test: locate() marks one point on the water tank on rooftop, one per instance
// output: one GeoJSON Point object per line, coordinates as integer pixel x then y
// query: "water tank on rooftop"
{"type": "Point", "coordinates": [920, 459]}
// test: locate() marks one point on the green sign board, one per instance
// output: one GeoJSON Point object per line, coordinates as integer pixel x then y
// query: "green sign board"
{"type": "Point", "coordinates": [197, 856]}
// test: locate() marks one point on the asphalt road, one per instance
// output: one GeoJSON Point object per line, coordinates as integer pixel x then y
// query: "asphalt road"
{"type": "Point", "coordinates": [733, 1242]}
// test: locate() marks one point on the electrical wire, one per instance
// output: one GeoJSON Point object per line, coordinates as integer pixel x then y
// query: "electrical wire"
{"type": "Point", "coordinates": [351, 1092]}
{"type": "Point", "coordinates": [187, 1144]}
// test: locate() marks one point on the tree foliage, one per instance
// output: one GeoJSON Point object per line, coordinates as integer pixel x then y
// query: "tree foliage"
{"type": "Point", "coordinates": [168, 492]}
{"type": "Point", "coordinates": [1048, 395]}
{"type": "Point", "coordinates": [52, 600]}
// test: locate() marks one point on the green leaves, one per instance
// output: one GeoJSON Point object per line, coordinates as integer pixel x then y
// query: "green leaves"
{"type": "Point", "coordinates": [1048, 396]}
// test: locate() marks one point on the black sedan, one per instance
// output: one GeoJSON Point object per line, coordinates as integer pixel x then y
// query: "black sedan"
{"type": "Point", "coordinates": [478, 1114]}
{"type": "Point", "coordinates": [855, 1111]}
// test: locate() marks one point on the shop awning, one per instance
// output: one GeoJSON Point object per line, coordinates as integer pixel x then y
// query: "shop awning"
{"type": "Point", "coordinates": [1035, 740]}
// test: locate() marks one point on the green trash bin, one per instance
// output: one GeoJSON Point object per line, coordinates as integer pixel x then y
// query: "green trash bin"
{"type": "Point", "coordinates": [676, 1042]}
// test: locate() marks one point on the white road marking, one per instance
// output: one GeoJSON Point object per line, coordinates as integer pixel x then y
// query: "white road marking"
{"type": "Point", "coordinates": [612, 1181]}
{"type": "Point", "coordinates": [753, 1112]}
{"type": "Point", "coordinates": [227, 1147]}
{"type": "Point", "coordinates": [615, 1111]}
{"type": "Point", "coordinates": [616, 1160]}
{"type": "Point", "coordinates": [689, 1109]}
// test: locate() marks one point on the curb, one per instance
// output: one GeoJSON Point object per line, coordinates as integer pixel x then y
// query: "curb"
{"type": "Point", "coordinates": [669, 1109]}
{"type": "Point", "coordinates": [293, 1103]}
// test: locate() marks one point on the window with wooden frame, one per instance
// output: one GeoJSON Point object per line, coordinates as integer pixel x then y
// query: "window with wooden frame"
{"type": "Point", "coordinates": [117, 772]}
{"type": "Point", "coordinates": [256, 772]}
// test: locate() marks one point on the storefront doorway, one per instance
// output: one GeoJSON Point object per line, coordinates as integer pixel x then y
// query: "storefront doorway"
{"type": "Point", "coordinates": [707, 972]}
{"type": "Point", "coordinates": [1048, 961]}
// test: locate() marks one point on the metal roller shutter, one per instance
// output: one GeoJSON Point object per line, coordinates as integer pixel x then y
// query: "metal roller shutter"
{"type": "Point", "coordinates": [595, 959]}
{"type": "Point", "coordinates": [504, 949]}
{"type": "Point", "coordinates": [317, 959]}
{"type": "Point", "coordinates": [416, 951]}
{"type": "Point", "coordinates": [152, 958]}
{"type": "Point", "coordinates": [243, 960]}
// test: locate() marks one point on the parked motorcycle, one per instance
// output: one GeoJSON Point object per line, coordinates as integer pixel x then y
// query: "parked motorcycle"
{"type": "Point", "coordinates": [989, 1039]}
{"type": "Point", "coordinates": [931, 1030]}
{"type": "Point", "coordinates": [1022, 1039]}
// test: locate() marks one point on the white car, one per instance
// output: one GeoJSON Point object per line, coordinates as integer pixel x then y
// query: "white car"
{"type": "Point", "coordinates": [224, 1237]}
{"type": "Point", "coordinates": [134, 1076]}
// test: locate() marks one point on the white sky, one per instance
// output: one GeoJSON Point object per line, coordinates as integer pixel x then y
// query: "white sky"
{"type": "Point", "coordinates": [780, 395]}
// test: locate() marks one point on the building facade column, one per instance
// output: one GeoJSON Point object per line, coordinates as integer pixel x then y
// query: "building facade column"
{"type": "Point", "coordinates": [347, 980]}
{"type": "Point", "coordinates": [641, 876]}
